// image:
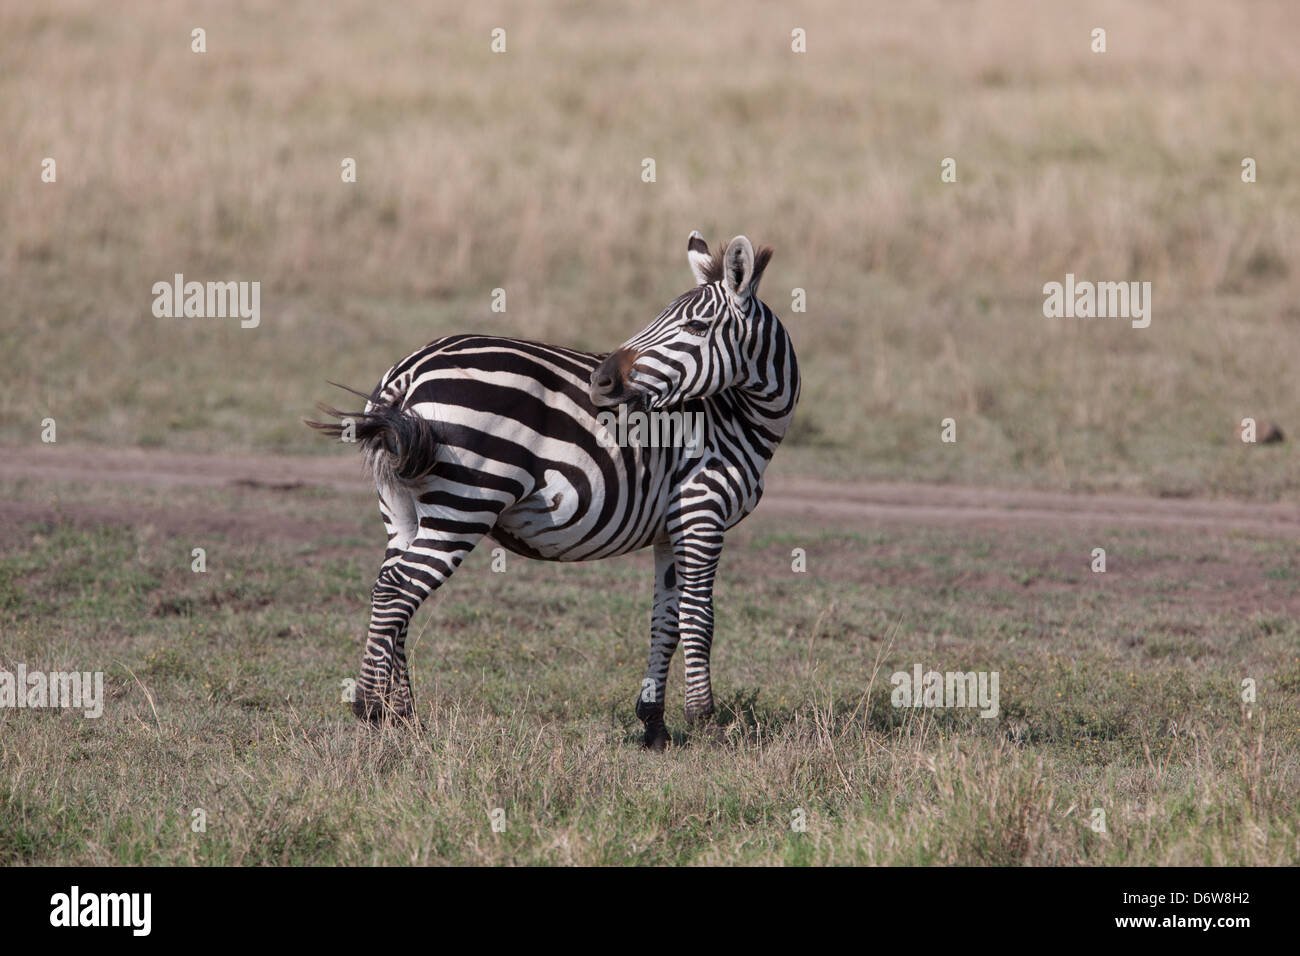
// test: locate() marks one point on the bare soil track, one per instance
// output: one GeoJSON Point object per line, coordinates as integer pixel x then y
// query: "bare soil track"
{"type": "Point", "coordinates": [1207, 547]}
{"type": "Point", "coordinates": [828, 504]}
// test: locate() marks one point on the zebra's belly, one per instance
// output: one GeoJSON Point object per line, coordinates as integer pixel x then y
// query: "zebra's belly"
{"type": "Point", "coordinates": [558, 523]}
{"type": "Point", "coordinates": [543, 525]}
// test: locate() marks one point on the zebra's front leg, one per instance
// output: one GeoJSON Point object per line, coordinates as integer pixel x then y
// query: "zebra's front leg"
{"type": "Point", "coordinates": [384, 687]}
{"type": "Point", "coordinates": [663, 643]}
{"type": "Point", "coordinates": [697, 551]}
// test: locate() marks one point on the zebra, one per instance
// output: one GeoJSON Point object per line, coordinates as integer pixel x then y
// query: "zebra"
{"type": "Point", "coordinates": [475, 435]}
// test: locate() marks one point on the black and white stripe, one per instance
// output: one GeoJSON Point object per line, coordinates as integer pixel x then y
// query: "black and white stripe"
{"type": "Point", "coordinates": [475, 435]}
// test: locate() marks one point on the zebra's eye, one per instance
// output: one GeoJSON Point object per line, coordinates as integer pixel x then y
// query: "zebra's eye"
{"type": "Point", "coordinates": [696, 327]}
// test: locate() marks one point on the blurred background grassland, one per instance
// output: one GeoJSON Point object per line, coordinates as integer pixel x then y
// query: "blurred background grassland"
{"type": "Point", "coordinates": [523, 171]}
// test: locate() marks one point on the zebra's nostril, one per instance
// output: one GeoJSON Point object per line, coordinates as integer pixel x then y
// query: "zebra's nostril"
{"type": "Point", "coordinates": [604, 381]}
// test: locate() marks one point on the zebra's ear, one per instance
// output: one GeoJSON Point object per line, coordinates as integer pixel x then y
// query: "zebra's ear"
{"type": "Point", "coordinates": [738, 268]}
{"type": "Point", "coordinates": [697, 254]}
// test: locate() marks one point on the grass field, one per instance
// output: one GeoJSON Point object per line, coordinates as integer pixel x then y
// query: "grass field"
{"type": "Point", "coordinates": [1120, 692]}
{"type": "Point", "coordinates": [522, 171]}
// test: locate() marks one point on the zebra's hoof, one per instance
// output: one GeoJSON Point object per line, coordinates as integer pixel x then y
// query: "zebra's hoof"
{"type": "Point", "coordinates": [698, 718]}
{"type": "Point", "coordinates": [656, 737]}
{"type": "Point", "coordinates": [706, 728]}
{"type": "Point", "coordinates": [371, 711]}
{"type": "Point", "coordinates": [375, 712]}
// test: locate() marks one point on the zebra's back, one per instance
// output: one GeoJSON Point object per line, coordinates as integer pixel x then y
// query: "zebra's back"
{"type": "Point", "coordinates": [514, 420]}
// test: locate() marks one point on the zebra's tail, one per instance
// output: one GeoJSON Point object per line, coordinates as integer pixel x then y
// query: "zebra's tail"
{"type": "Point", "coordinates": [399, 446]}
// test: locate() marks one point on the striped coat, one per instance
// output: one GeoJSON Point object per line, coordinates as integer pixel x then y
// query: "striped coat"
{"type": "Point", "coordinates": [475, 435]}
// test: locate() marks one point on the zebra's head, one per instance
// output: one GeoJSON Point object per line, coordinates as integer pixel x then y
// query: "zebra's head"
{"type": "Point", "coordinates": [700, 344]}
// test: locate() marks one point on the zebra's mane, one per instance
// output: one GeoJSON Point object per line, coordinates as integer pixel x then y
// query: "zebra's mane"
{"type": "Point", "coordinates": [713, 270]}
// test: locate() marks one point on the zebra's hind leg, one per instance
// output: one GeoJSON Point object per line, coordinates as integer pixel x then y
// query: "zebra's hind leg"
{"type": "Point", "coordinates": [387, 680]}
{"type": "Point", "coordinates": [441, 539]}
{"type": "Point", "coordinates": [663, 642]}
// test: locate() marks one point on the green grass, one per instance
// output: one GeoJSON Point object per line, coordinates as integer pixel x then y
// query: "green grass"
{"type": "Point", "coordinates": [224, 694]}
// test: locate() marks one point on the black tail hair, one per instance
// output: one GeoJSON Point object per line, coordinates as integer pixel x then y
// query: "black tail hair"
{"type": "Point", "coordinates": [399, 445]}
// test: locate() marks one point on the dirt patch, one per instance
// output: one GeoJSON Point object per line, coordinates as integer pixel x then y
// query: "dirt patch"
{"type": "Point", "coordinates": [18, 517]}
{"type": "Point", "coordinates": [1045, 537]}
{"type": "Point", "coordinates": [958, 504]}
{"type": "Point", "coordinates": [830, 502]}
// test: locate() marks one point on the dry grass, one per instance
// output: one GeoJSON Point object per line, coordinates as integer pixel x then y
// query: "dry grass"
{"type": "Point", "coordinates": [522, 171]}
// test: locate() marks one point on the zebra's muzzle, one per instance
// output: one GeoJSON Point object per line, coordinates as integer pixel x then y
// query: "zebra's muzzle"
{"type": "Point", "coordinates": [609, 382]}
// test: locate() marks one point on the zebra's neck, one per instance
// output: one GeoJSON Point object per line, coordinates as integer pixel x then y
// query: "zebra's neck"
{"type": "Point", "coordinates": [763, 405]}
{"type": "Point", "coordinates": [773, 390]}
